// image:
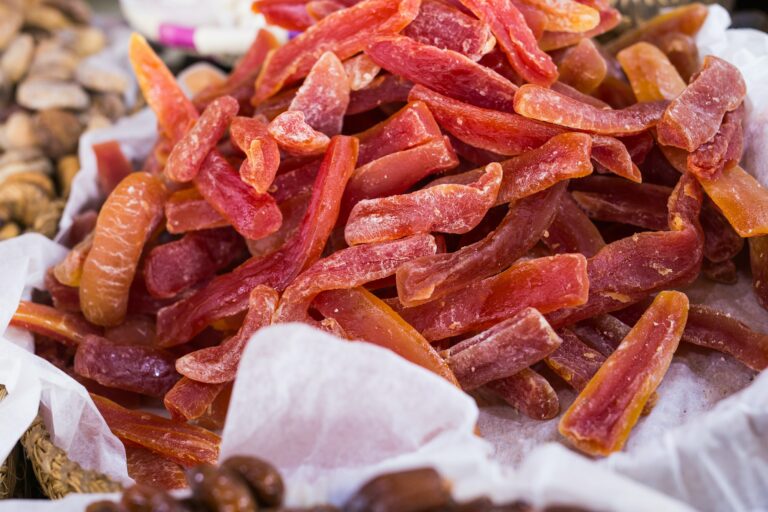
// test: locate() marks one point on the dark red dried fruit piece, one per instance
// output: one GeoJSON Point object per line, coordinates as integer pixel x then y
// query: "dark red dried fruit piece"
{"type": "Point", "coordinates": [186, 444]}
{"type": "Point", "coordinates": [687, 20]}
{"type": "Point", "coordinates": [501, 132]}
{"type": "Point", "coordinates": [573, 361]}
{"type": "Point", "coordinates": [324, 95]}
{"type": "Point", "coordinates": [682, 51]}
{"type": "Point", "coordinates": [758, 258]}
{"type": "Point", "coordinates": [546, 105]}
{"type": "Point", "coordinates": [111, 165]}
{"type": "Point", "coordinates": [293, 210]}
{"type": "Point", "coordinates": [186, 210]}
{"type": "Point", "coordinates": [724, 272]}
{"type": "Point", "coordinates": [529, 393]}
{"type": "Point", "coordinates": [505, 349]}
{"type": "Point", "coordinates": [612, 154]}
{"type": "Point", "coordinates": [724, 150]}
{"type": "Point", "coordinates": [290, 15]}
{"type": "Point", "coordinates": [547, 284]}
{"type": "Point", "coordinates": [154, 470]}
{"type": "Point", "coordinates": [721, 242]}
{"type": "Point", "coordinates": [293, 134]}
{"type": "Point", "coordinates": [136, 330]}
{"type": "Point", "coordinates": [432, 277]}
{"type": "Point", "coordinates": [445, 71]}
{"type": "Point", "coordinates": [602, 332]}
{"type": "Point", "coordinates": [572, 231]}
{"type": "Point", "coordinates": [582, 66]}
{"type": "Point", "coordinates": [65, 298]}
{"type": "Point", "coordinates": [516, 39]}
{"type": "Point", "coordinates": [443, 208]}
{"type": "Point", "coordinates": [190, 399]}
{"type": "Point", "coordinates": [65, 327]}
{"type": "Point", "coordinates": [345, 33]}
{"type": "Point", "coordinates": [382, 90]}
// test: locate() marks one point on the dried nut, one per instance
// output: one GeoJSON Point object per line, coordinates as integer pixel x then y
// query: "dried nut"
{"type": "Point", "coordinates": [58, 132]}
{"type": "Point", "coordinates": [47, 222]}
{"type": "Point", "coordinates": [18, 57]}
{"type": "Point", "coordinates": [417, 489]}
{"type": "Point", "coordinates": [145, 498]}
{"type": "Point", "coordinates": [66, 169]}
{"type": "Point", "coordinates": [41, 94]}
{"type": "Point", "coordinates": [76, 10]}
{"type": "Point", "coordinates": [10, 23]}
{"type": "Point", "coordinates": [19, 132]}
{"type": "Point", "coordinates": [109, 105]}
{"type": "Point", "coordinates": [220, 489]}
{"type": "Point", "coordinates": [40, 180]}
{"type": "Point", "coordinates": [98, 77]}
{"type": "Point", "coordinates": [46, 18]}
{"type": "Point", "coordinates": [9, 230]}
{"type": "Point", "coordinates": [97, 122]}
{"type": "Point", "coordinates": [83, 41]}
{"type": "Point", "coordinates": [25, 201]}
{"type": "Point", "coordinates": [24, 160]}
{"type": "Point", "coordinates": [53, 61]}
{"type": "Point", "coordinates": [263, 479]}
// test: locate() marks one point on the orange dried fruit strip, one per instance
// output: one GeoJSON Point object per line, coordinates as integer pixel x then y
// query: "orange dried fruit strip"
{"type": "Point", "coordinates": [687, 20]}
{"type": "Point", "coordinates": [721, 242]}
{"type": "Point", "coordinates": [758, 259]}
{"type": "Point", "coordinates": [601, 418]}
{"type": "Point", "coordinates": [694, 117]}
{"type": "Point", "coordinates": [185, 444]}
{"type": "Point", "coordinates": [445, 71]}
{"type": "Point", "coordinates": [682, 51]}
{"type": "Point", "coordinates": [516, 39]}
{"type": "Point", "coordinates": [547, 284]}
{"type": "Point", "coordinates": [131, 214]}
{"type": "Point", "coordinates": [186, 210]}
{"type": "Point", "coordinates": [324, 95]}
{"type": "Point", "coordinates": [292, 133]}
{"type": "Point", "coordinates": [361, 71]}
{"type": "Point", "coordinates": [529, 393]}
{"type": "Point", "coordinates": [613, 155]}
{"type": "Point", "coordinates": [345, 33]}
{"type": "Point", "coordinates": [651, 74]}
{"type": "Point", "coordinates": [261, 151]}
{"type": "Point", "coordinates": [68, 328]}
{"type": "Point", "coordinates": [227, 295]}
{"type": "Point", "coordinates": [349, 268]}
{"type": "Point", "coordinates": [111, 165]}
{"type": "Point", "coordinates": [432, 277]}
{"type": "Point", "coordinates": [609, 19]}
{"type": "Point", "coordinates": [501, 132]}
{"type": "Point", "coordinates": [572, 231]}
{"type": "Point", "coordinates": [140, 369]}
{"type": "Point", "coordinates": [366, 317]}
{"type": "Point", "coordinates": [442, 208]}
{"type": "Point", "coordinates": [566, 15]}
{"type": "Point", "coordinates": [189, 152]}
{"type": "Point", "coordinates": [69, 271]}
{"type": "Point", "coordinates": [731, 191]}
{"type": "Point", "coordinates": [189, 399]}
{"type": "Point", "coordinates": [574, 361]}
{"type": "Point", "coordinates": [503, 350]}
{"type": "Point", "coordinates": [219, 364]}
{"type": "Point", "coordinates": [444, 26]}
{"type": "Point", "coordinates": [546, 105]}
{"type": "Point", "coordinates": [582, 66]}
{"type": "Point", "coordinates": [724, 150]}
{"type": "Point", "coordinates": [149, 468]}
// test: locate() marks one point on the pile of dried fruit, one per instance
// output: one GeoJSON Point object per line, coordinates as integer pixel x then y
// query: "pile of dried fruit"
{"type": "Point", "coordinates": [571, 193]}
{"type": "Point", "coordinates": [50, 93]}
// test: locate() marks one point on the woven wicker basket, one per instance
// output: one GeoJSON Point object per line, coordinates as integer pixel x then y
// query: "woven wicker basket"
{"type": "Point", "coordinates": [9, 468]}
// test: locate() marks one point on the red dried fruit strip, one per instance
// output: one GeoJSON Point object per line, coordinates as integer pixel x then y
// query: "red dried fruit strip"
{"type": "Point", "coordinates": [724, 150]}
{"type": "Point", "coordinates": [566, 15]}
{"type": "Point", "coordinates": [190, 400]}
{"type": "Point", "coordinates": [293, 134]}
{"type": "Point", "coordinates": [546, 105]}
{"type": "Point", "coordinates": [219, 364]}
{"type": "Point", "coordinates": [547, 284]}
{"type": "Point", "coordinates": [136, 330]}
{"type": "Point", "coordinates": [694, 117]}
{"type": "Point", "coordinates": [687, 20]}
{"type": "Point", "coordinates": [69, 271]}
{"type": "Point", "coordinates": [602, 332]}
{"type": "Point", "coordinates": [445, 71]}
{"type": "Point", "coordinates": [724, 272]}
{"type": "Point", "coordinates": [381, 91]}
{"type": "Point", "coordinates": [186, 210]}
{"type": "Point", "coordinates": [290, 15]}
{"type": "Point", "coordinates": [758, 258]}
{"type": "Point", "coordinates": [128, 218]}
{"type": "Point", "coordinates": [293, 210]}
{"type": "Point", "coordinates": [651, 74]}
{"type": "Point", "coordinates": [149, 468]}
{"type": "Point", "coordinates": [65, 298]}
{"type": "Point", "coordinates": [572, 231]}
{"type": "Point", "coordinates": [345, 33]}
{"type": "Point", "coordinates": [682, 51]}
{"type": "Point", "coordinates": [441, 25]}
{"type": "Point", "coordinates": [227, 295]}
{"type": "Point", "coordinates": [505, 349]}
{"type": "Point", "coordinates": [609, 19]}
{"type": "Point", "coordinates": [319, 9]}
{"type": "Point", "coordinates": [721, 242]}
{"type": "Point", "coordinates": [436, 276]}
{"type": "Point", "coordinates": [731, 191]}
{"type": "Point", "coordinates": [500, 132]}
{"type": "Point", "coordinates": [47, 321]}
{"type": "Point", "coordinates": [573, 361]}
{"type": "Point", "coordinates": [186, 444]}
{"type": "Point", "coordinates": [190, 151]}
{"type": "Point", "coordinates": [361, 71]}
{"type": "Point", "coordinates": [601, 418]}
{"type": "Point", "coordinates": [582, 66]}
{"type": "Point", "coordinates": [443, 208]}
{"type": "Point", "coordinates": [324, 96]}
{"type": "Point", "coordinates": [349, 268]}
{"type": "Point", "coordinates": [111, 165]}
{"type": "Point", "coordinates": [529, 393]}
{"type": "Point", "coordinates": [516, 39]}
{"type": "Point", "coordinates": [177, 266]}
{"type": "Point", "coordinates": [612, 154]}
{"type": "Point", "coordinates": [365, 317]}
{"type": "Point", "coordinates": [145, 370]}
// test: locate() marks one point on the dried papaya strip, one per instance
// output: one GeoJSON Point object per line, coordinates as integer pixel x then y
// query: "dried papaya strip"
{"type": "Point", "coordinates": [682, 51]}
{"type": "Point", "coordinates": [432, 277]}
{"type": "Point", "coordinates": [185, 444]}
{"type": "Point", "coordinates": [65, 327]}
{"type": "Point", "coordinates": [572, 231]}
{"type": "Point", "coordinates": [724, 272]}
{"type": "Point", "coordinates": [721, 242]}
{"type": "Point", "coordinates": [149, 468]}
{"type": "Point", "coordinates": [613, 155]}
{"type": "Point", "coordinates": [69, 271]}
{"type": "Point", "coordinates": [345, 33]}
{"type": "Point", "coordinates": [516, 39]}
{"type": "Point", "coordinates": [602, 332]}
{"type": "Point", "coordinates": [445, 71]}
{"type": "Point", "coordinates": [651, 74]}
{"type": "Point", "coordinates": [128, 218]}
{"type": "Point", "coordinates": [324, 96]}
{"type": "Point", "coordinates": [571, 92]}
{"type": "Point", "coordinates": [361, 71]}
{"type": "Point", "coordinates": [290, 15]}
{"type": "Point", "coordinates": [566, 16]}
{"type": "Point", "coordinates": [582, 66]}
{"type": "Point", "coordinates": [111, 165]}
{"type": "Point", "coordinates": [505, 349]}
{"type": "Point", "coordinates": [758, 259]}
{"type": "Point", "coordinates": [186, 210]}
{"type": "Point", "coordinates": [549, 106]}
{"type": "Point", "coordinates": [293, 210]}
{"type": "Point", "coordinates": [65, 298]}
{"type": "Point", "coordinates": [547, 284]}
{"type": "Point", "coordinates": [189, 399]}
{"type": "Point", "coordinates": [366, 317]}
{"type": "Point", "coordinates": [443, 26]}
{"type": "Point", "coordinates": [574, 361]}
{"type": "Point", "coordinates": [319, 9]}
{"type": "Point", "coordinates": [687, 20]}
{"type": "Point", "coordinates": [227, 295]}
{"type": "Point", "coordinates": [534, 18]}
{"type": "Point", "coordinates": [694, 117]}
{"type": "Point", "coordinates": [261, 164]}
{"type": "Point", "coordinates": [383, 90]}
{"type": "Point", "coordinates": [529, 393]}
{"type": "Point", "coordinates": [140, 369]}
{"type": "Point", "coordinates": [500, 132]}
{"type": "Point", "coordinates": [443, 208]}
{"type": "Point", "coordinates": [609, 19]}
{"type": "Point", "coordinates": [218, 364]}
{"type": "Point", "coordinates": [724, 150]}
{"type": "Point", "coordinates": [349, 268]}
{"type": "Point", "coordinates": [293, 134]}
{"type": "Point", "coordinates": [602, 416]}
{"type": "Point", "coordinates": [190, 151]}
{"type": "Point", "coordinates": [731, 191]}
{"type": "Point", "coordinates": [136, 330]}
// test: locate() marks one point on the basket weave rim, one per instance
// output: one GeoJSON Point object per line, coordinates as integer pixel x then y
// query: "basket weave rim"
{"type": "Point", "coordinates": [8, 467]}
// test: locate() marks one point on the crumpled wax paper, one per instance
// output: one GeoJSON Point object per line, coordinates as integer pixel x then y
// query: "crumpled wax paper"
{"type": "Point", "coordinates": [331, 413]}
